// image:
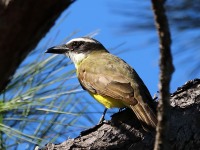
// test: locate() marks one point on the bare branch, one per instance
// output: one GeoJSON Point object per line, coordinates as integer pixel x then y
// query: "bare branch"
{"type": "Point", "coordinates": [166, 70]}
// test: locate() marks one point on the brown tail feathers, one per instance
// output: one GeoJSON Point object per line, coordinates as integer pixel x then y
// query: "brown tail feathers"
{"type": "Point", "coordinates": [145, 115]}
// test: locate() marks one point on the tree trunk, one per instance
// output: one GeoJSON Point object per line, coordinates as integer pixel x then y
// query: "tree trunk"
{"type": "Point", "coordinates": [22, 25]}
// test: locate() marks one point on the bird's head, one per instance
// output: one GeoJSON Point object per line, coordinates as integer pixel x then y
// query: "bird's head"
{"type": "Point", "coordinates": [77, 49]}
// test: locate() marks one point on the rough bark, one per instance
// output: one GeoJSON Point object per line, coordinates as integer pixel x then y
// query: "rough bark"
{"type": "Point", "coordinates": [123, 131]}
{"type": "Point", "coordinates": [22, 25]}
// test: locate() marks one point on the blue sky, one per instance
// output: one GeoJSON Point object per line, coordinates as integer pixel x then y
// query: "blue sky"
{"type": "Point", "coordinates": [82, 16]}
{"type": "Point", "coordinates": [85, 17]}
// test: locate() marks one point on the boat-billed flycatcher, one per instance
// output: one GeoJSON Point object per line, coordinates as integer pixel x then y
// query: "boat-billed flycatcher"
{"type": "Point", "coordinates": [109, 79]}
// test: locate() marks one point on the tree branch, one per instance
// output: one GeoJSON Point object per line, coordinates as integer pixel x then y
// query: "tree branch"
{"type": "Point", "coordinates": [166, 70]}
{"type": "Point", "coordinates": [124, 130]}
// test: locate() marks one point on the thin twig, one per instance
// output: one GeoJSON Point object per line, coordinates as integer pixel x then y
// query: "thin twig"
{"type": "Point", "coordinates": [166, 70]}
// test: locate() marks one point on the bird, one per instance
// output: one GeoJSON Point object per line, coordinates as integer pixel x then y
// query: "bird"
{"type": "Point", "coordinates": [109, 79]}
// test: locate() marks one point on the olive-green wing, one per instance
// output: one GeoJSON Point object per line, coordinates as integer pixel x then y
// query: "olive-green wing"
{"type": "Point", "coordinates": [105, 84]}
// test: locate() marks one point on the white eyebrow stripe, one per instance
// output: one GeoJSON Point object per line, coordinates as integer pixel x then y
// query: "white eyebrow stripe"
{"type": "Point", "coordinates": [82, 39]}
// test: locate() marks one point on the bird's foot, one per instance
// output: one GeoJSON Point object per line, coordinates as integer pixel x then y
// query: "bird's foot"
{"type": "Point", "coordinates": [103, 116]}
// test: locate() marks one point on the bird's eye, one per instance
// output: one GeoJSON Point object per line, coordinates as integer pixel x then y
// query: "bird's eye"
{"type": "Point", "coordinates": [76, 45]}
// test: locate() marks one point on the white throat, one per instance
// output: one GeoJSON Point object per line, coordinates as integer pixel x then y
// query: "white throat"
{"type": "Point", "coordinates": [76, 58]}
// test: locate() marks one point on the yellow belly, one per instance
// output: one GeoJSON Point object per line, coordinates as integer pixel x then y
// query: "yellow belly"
{"type": "Point", "coordinates": [108, 102]}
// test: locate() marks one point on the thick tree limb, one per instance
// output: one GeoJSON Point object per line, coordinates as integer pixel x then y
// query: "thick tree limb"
{"type": "Point", "coordinates": [166, 70]}
{"type": "Point", "coordinates": [124, 131]}
{"type": "Point", "coordinates": [22, 25]}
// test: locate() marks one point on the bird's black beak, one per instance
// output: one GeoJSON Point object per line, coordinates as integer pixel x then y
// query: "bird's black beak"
{"type": "Point", "coordinates": [61, 49]}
